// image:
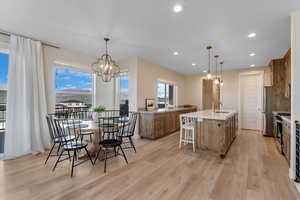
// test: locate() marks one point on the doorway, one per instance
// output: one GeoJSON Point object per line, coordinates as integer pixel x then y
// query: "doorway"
{"type": "Point", "coordinates": [251, 100]}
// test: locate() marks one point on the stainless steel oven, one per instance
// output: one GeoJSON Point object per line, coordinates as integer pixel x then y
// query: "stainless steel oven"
{"type": "Point", "coordinates": [278, 133]}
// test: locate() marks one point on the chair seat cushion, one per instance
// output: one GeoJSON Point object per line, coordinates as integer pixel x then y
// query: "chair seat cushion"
{"type": "Point", "coordinates": [64, 139]}
{"type": "Point", "coordinates": [126, 134]}
{"type": "Point", "coordinates": [75, 145]}
{"type": "Point", "coordinates": [108, 143]}
{"type": "Point", "coordinates": [188, 126]}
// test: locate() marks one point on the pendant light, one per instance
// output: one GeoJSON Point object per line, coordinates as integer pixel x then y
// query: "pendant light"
{"type": "Point", "coordinates": [221, 74]}
{"type": "Point", "coordinates": [105, 66]}
{"type": "Point", "coordinates": [209, 76]}
{"type": "Point", "coordinates": [216, 81]}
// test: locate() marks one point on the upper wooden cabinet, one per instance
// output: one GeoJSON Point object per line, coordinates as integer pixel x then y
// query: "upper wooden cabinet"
{"type": "Point", "coordinates": [287, 64]}
{"type": "Point", "coordinates": [279, 75]}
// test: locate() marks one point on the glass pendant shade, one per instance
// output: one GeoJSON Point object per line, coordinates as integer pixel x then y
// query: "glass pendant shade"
{"type": "Point", "coordinates": [106, 67]}
{"type": "Point", "coordinates": [209, 76]}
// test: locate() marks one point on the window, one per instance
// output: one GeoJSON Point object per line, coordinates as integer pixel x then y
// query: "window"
{"type": "Point", "coordinates": [3, 87]}
{"type": "Point", "coordinates": [124, 93]}
{"type": "Point", "coordinates": [74, 89]}
{"type": "Point", "coordinates": [166, 94]}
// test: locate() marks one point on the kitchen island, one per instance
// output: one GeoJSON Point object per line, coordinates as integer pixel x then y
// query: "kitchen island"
{"type": "Point", "coordinates": [158, 123]}
{"type": "Point", "coordinates": [216, 130]}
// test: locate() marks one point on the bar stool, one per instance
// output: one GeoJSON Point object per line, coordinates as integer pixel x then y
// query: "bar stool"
{"type": "Point", "coordinates": [187, 131]}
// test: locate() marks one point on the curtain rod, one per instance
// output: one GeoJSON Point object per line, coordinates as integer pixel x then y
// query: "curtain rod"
{"type": "Point", "coordinates": [44, 43]}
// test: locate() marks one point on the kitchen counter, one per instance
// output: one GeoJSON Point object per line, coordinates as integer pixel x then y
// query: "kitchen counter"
{"type": "Point", "coordinates": [215, 131]}
{"type": "Point", "coordinates": [286, 118]}
{"type": "Point", "coordinates": [210, 114]}
{"type": "Point", "coordinates": [161, 122]}
{"type": "Point", "coordinates": [278, 112]}
{"type": "Point", "coordinates": [166, 110]}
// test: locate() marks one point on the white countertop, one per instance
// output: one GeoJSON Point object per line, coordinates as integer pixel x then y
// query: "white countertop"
{"type": "Point", "coordinates": [286, 118]}
{"type": "Point", "coordinates": [210, 114]}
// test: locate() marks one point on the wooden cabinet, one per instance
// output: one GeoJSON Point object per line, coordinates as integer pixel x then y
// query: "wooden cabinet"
{"type": "Point", "coordinates": [210, 95]}
{"type": "Point", "coordinates": [218, 135]}
{"type": "Point", "coordinates": [154, 124]}
{"type": "Point", "coordinates": [279, 75]}
{"type": "Point", "coordinates": [287, 64]}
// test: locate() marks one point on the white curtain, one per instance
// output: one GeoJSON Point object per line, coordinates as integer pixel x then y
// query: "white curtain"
{"type": "Point", "coordinates": [26, 102]}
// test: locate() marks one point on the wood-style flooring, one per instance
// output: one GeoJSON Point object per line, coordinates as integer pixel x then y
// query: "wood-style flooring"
{"type": "Point", "coordinates": [252, 169]}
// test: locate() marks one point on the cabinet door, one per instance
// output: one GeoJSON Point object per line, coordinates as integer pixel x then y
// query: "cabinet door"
{"type": "Point", "coordinates": [159, 126]}
{"type": "Point", "coordinates": [288, 73]}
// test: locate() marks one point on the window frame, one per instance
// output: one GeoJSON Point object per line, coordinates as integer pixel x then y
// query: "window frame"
{"type": "Point", "coordinates": [118, 89]}
{"type": "Point", "coordinates": [175, 91]}
{"type": "Point", "coordinates": [77, 68]}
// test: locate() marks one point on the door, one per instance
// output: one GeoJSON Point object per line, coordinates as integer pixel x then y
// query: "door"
{"type": "Point", "coordinates": [251, 101]}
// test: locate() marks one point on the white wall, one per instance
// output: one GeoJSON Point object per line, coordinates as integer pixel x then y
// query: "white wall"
{"type": "Point", "coordinates": [148, 74]}
{"type": "Point", "coordinates": [295, 84]}
{"type": "Point", "coordinates": [193, 90]}
{"type": "Point", "coordinates": [130, 65]}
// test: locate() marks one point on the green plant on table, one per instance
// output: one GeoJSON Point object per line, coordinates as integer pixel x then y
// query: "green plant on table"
{"type": "Point", "coordinates": [98, 109]}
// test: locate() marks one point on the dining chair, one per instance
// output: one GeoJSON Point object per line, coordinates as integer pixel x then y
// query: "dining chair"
{"type": "Point", "coordinates": [112, 128]}
{"type": "Point", "coordinates": [56, 138]}
{"type": "Point", "coordinates": [84, 115]}
{"type": "Point", "coordinates": [129, 131]}
{"type": "Point", "coordinates": [67, 128]}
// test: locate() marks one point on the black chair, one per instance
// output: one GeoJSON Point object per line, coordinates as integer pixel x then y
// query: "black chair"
{"type": "Point", "coordinates": [112, 128]}
{"type": "Point", "coordinates": [129, 131]}
{"type": "Point", "coordinates": [56, 138]}
{"type": "Point", "coordinates": [84, 115]}
{"type": "Point", "coordinates": [67, 128]}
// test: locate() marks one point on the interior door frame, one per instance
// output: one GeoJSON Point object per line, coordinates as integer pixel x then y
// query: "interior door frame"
{"type": "Point", "coordinates": [261, 86]}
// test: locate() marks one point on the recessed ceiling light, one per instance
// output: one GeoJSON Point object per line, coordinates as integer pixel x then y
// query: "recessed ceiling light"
{"type": "Point", "coordinates": [252, 54]}
{"type": "Point", "coordinates": [177, 8]}
{"type": "Point", "coordinates": [252, 65]}
{"type": "Point", "coordinates": [175, 53]}
{"type": "Point", "coordinates": [194, 64]}
{"type": "Point", "coordinates": [251, 35]}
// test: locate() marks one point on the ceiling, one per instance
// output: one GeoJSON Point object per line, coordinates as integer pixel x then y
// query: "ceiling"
{"type": "Point", "coordinates": [150, 29]}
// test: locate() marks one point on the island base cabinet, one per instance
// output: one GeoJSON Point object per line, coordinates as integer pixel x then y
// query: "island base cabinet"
{"type": "Point", "coordinates": [159, 124]}
{"type": "Point", "coordinates": [217, 135]}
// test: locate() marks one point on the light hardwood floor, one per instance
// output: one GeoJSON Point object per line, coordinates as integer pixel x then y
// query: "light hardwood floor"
{"type": "Point", "coordinates": [253, 169]}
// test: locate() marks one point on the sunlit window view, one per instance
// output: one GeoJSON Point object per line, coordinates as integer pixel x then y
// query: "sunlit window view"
{"type": "Point", "coordinates": [165, 95]}
{"type": "Point", "coordinates": [3, 88]}
{"type": "Point", "coordinates": [124, 95]}
{"type": "Point", "coordinates": [73, 89]}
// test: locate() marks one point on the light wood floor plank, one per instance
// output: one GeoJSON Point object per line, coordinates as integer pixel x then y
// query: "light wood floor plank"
{"type": "Point", "coordinates": [252, 169]}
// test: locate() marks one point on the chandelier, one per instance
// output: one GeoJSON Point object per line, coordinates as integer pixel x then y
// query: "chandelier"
{"type": "Point", "coordinates": [105, 66]}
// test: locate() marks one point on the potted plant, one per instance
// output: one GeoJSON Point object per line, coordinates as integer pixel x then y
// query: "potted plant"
{"type": "Point", "coordinates": [97, 110]}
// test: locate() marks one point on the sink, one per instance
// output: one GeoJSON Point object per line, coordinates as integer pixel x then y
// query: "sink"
{"type": "Point", "coordinates": [219, 111]}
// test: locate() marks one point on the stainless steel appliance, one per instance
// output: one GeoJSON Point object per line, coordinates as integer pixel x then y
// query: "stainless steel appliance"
{"type": "Point", "coordinates": [267, 112]}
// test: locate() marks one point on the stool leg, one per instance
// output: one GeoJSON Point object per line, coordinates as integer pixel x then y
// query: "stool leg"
{"type": "Point", "coordinates": [180, 139]}
{"type": "Point", "coordinates": [193, 139]}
